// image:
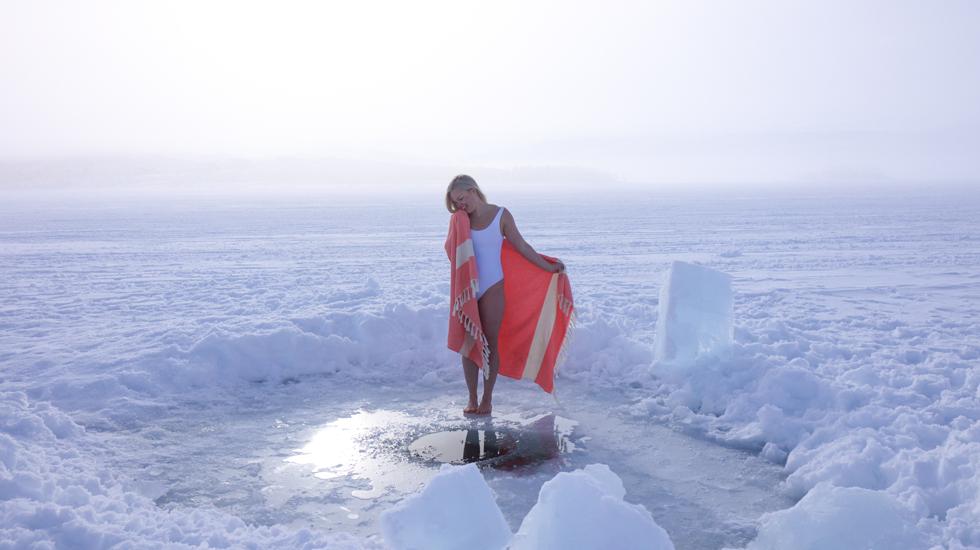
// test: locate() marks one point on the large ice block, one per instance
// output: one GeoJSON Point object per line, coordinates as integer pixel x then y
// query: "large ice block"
{"type": "Point", "coordinates": [695, 313]}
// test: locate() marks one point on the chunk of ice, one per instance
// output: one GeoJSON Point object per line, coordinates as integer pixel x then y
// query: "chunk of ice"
{"type": "Point", "coordinates": [695, 313]}
{"type": "Point", "coordinates": [585, 509]}
{"type": "Point", "coordinates": [455, 510]}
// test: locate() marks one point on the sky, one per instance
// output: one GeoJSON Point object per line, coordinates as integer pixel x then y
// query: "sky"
{"type": "Point", "coordinates": [655, 93]}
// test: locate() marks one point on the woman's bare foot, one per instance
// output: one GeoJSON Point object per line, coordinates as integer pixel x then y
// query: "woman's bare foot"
{"type": "Point", "coordinates": [484, 409]}
{"type": "Point", "coordinates": [471, 408]}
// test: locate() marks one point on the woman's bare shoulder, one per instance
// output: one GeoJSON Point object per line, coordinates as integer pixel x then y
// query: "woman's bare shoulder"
{"type": "Point", "coordinates": [506, 221]}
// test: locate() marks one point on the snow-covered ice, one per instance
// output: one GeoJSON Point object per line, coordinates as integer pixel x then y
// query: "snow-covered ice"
{"type": "Point", "coordinates": [167, 368]}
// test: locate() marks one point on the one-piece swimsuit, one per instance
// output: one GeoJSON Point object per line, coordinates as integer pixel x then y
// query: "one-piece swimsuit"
{"type": "Point", "coordinates": [487, 243]}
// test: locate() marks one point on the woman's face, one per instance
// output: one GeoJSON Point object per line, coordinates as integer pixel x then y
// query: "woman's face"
{"type": "Point", "coordinates": [464, 199]}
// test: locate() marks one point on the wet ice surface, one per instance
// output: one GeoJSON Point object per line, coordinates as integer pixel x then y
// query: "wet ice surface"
{"type": "Point", "coordinates": [216, 352]}
{"type": "Point", "coordinates": [289, 456]}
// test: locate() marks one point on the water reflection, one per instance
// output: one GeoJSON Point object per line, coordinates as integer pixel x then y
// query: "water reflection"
{"type": "Point", "coordinates": [503, 447]}
{"type": "Point", "coordinates": [354, 449]}
{"type": "Point", "coordinates": [365, 453]}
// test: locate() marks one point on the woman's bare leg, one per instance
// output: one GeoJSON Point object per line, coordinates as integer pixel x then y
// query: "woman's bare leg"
{"type": "Point", "coordinates": [472, 373]}
{"type": "Point", "coordinates": [491, 306]}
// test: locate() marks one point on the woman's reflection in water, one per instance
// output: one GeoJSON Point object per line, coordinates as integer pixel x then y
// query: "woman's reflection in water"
{"type": "Point", "coordinates": [537, 443]}
{"type": "Point", "coordinates": [472, 451]}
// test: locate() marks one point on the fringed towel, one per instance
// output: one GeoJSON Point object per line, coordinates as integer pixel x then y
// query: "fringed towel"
{"type": "Point", "coordinates": [465, 332]}
{"type": "Point", "coordinates": [538, 310]}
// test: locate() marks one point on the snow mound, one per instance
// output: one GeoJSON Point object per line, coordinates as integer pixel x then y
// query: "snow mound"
{"type": "Point", "coordinates": [843, 414]}
{"type": "Point", "coordinates": [585, 509]}
{"type": "Point", "coordinates": [455, 510]}
{"type": "Point", "coordinates": [842, 518]}
{"type": "Point", "coordinates": [695, 313]}
{"type": "Point", "coordinates": [360, 345]}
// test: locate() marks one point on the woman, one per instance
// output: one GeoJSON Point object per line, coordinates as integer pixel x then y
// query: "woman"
{"type": "Point", "coordinates": [489, 226]}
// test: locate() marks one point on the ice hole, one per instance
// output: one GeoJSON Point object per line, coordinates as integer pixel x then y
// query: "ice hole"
{"type": "Point", "coordinates": [498, 447]}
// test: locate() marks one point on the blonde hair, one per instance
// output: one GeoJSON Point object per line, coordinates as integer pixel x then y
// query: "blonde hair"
{"type": "Point", "coordinates": [462, 181]}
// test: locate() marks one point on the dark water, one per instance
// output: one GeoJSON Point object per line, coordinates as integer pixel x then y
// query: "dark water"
{"type": "Point", "coordinates": [500, 447]}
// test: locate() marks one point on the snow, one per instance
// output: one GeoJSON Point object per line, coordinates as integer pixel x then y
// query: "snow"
{"type": "Point", "coordinates": [839, 517]}
{"type": "Point", "coordinates": [53, 492]}
{"type": "Point", "coordinates": [695, 314]}
{"type": "Point", "coordinates": [164, 364]}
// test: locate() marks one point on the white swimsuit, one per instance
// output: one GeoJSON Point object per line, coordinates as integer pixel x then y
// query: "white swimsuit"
{"type": "Point", "coordinates": [486, 246]}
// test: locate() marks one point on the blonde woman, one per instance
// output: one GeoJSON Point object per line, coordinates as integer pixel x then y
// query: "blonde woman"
{"type": "Point", "coordinates": [489, 226]}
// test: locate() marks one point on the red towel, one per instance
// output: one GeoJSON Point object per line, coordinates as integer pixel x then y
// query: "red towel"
{"type": "Point", "coordinates": [537, 312]}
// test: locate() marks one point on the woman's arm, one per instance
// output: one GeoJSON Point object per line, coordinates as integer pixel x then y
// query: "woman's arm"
{"type": "Point", "coordinates": [509, 227]}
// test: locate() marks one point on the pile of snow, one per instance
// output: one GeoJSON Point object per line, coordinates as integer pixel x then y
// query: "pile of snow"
{"type": "Point", "coordinates": [839, 517]}
{"type": "Point", "coordinates": [897, 415]}
{"type": "Point", "coordinates": [695, 313]}
{"type": "Point", "coordinates": [357, 344]}
{"type": "Point", "coordinates": [883, 437]}
{"type": "Point", "coordinates": [581, 509]}
{"type": "Point", "coordinates": [601, 352]}
{"type": "Point", "coordinates": [53, 495]}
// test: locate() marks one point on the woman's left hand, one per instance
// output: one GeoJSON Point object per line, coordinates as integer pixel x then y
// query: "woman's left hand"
{"type": "Point", "coordinates": [558, 267]}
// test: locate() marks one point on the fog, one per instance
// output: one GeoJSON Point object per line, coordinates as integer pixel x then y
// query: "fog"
{"type": "Point", "coordinates": [341, 96]}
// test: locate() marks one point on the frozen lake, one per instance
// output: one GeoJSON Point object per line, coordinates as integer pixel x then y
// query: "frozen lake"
{"type": "Point", "coordinates": [178, 365]}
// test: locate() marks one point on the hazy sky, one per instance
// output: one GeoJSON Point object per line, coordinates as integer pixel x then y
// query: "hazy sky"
{"type": "Point", "coordinates": [646, 91]}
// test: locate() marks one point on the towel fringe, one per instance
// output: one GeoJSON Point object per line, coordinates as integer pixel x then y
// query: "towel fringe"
{"type": "Point", "coordinates": [563, 350]}
{"type": "Point", "coordinates": [471, 328]}
{"type": "Point", "coordinates": [564, 304]}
